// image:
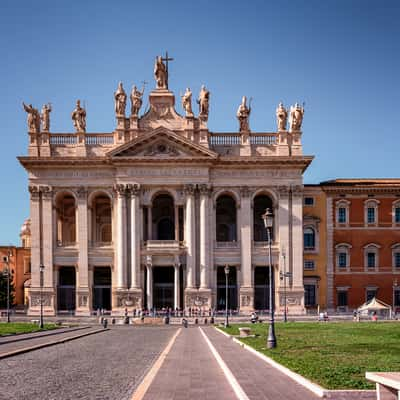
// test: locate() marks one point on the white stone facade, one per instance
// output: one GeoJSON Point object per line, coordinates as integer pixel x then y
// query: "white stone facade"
{"type": "Point", "coordinates": [148, 202]}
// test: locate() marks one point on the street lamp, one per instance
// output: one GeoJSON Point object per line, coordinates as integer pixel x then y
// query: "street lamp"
{"type": "Point", "coordinates": [226, 270]}
{"type": "Point", "coordinates": [268, 218]}
{"type": "Point", "coordinates": [41, 270]}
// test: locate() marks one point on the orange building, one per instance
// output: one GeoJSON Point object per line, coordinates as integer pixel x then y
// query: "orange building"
{"type": "Point", "coordinates": [363, 242]}
{"type": "Point", "coordinates": [19, 263]}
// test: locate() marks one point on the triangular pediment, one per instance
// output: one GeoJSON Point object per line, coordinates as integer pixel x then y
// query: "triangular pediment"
{"type": "Point", "coordinates": [161, 143]}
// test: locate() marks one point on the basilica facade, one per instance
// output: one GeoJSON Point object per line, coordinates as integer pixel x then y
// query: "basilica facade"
{"type": "Point", "coordinates": [150, 215]}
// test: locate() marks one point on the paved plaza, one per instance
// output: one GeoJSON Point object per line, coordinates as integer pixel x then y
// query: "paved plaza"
{"type": "Point", "coordinates": [113, 364]}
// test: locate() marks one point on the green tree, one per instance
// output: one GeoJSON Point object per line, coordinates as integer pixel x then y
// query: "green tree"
{"type": "Point", "coordinates": [3, 289]}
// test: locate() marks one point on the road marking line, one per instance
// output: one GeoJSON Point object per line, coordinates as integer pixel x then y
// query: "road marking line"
{"type": "Point", "coordinates": [148, 379]}
{"type": "Point", "coordinates": [240, 394]}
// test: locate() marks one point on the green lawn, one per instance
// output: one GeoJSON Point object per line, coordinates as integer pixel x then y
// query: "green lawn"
{"type": "Point", "coordinates": [334, 355]}
{"type": "Point", "coordinates": [22, 327]}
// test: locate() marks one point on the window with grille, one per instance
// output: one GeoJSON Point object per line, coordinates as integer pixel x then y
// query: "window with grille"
{"type": "Point", "coordinates": [309, 264]}
{"type": "Point", "coordinates": [371, 259]}
{"type": "Point", "coordinates": [342, 218]}
{"type": "Point", "coordinates": [342, 298]}
{"type": "Point", "coordinates": [309, 239]}
{"type": "Point", "coordinates": [342, 259]}
{"type": "Point", "coordinates": [309, 295]}
{"type": "Point", "coordinates": [371, 215]}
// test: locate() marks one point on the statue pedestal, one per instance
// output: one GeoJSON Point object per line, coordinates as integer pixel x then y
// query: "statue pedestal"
{"type": "Point", "coordinates": [246, 299]}
{"type": "Point", "coordinates": [83, 302]}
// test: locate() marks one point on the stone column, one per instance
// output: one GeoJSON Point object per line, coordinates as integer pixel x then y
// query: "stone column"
{"type": "Point", "coordinates": [205, 290]}
{"type": "Point", "coordinates": [149, 287]}
{"type": "Point", "coordinates": [190, 237]}
{"type": "Point", "coordinates": [83, 290]}
{"type": "Point", "coordinates": [296, 297]}
{"type": "Point", "coordinates": [121, 236]}
{"type": "Point", "coordinates": [176, 209]}
{"type": "Point", "coordinates": [176, 285]}
{"type": "Point", "coordinates": [149, 223]}
{"type": "Point", "coordinates": [135, 246]}
{"type": "Point", "coordinates": [246, 288]}
{"type": "Point", "coordinates": [283, 218]}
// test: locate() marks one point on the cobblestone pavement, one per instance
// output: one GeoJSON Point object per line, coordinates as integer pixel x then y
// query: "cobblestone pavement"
{"type": "Point", "coordinates": [106, 366]}
{"type": "Point", "coordinates": [259, 380]}
{"type": "Point", "coordinates": [190, 371]}
{"type": "Point", "coordinates": [11, 346]}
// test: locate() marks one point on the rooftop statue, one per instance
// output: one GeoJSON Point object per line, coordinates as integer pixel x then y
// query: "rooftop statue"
{"type": "Point", "coordinates": [296, 117]}
{"type": "Point", "coordinates": [120, 100]}
{"type": "Point", "coordinates": [281, 117]}
{"type": "Point", "coordinates": [187, 102]}
{"type": "Point", "coordinates": [203, 102]}
{"type": "Point", "coordinates": [79, 117]}
{"type": "Point", "coordinates": [243, 114]}
{"type": "Point", "coordinates": [160, 73]}
{"type": "Point", "coordinates": [45, 117]}
{"type": "Point", "coordinates": [136, 100]}
{"type": "Point", "coordinates": [33, 118]}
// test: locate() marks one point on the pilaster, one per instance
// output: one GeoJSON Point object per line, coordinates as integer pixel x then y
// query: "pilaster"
{"type": "Point", "coordinates": [283, 143]}
{"type": "Point", "coordinates": [47, 231]}
{"type": "Point", "coordinates": [330, 254]}
{"type": "Point", "coordinates": [121, 236]}
{"type": "Point", "coordinates": [190, 236]}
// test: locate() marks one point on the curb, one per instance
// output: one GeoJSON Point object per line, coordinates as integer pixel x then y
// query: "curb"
{"type": "Point", "coordinates": [313, 387]}
{"type": "Point", "coordinates": [39, 334]}
{"type": "Point", "coordinates": [48, 344]}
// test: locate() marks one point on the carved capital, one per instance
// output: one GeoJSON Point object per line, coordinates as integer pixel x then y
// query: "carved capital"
{"type": "Point", "coordinates": [205, 190]}
{"type": "Point", "coordinates": [120, 189]}
{"type": "Point", "coordinates": [283, 191]}
{"type": "Point", "coordinates": [297, 190]}
{"type": "Point", "coordinates": [81, 192]}
{"type": "Point", "coordinates": [34, 191]}
{"type": "Point", "coordinates": [133, 189]}
{"type": "Point", "coordinates": [47, 192]}
{"type": "Point", "coordinates": [189, 189]}
{"type": "Point", "coordinates": [244, 191]}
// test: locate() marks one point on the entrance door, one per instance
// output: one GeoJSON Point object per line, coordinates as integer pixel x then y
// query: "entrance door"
{"type": "Point", "coordinates": [163, 287]}
{"type": "Point", "coordinates": [102, 288]}
{"type": "Point", "coordinates": [261, 288]}
{"type": "Point", "coordinates": [66, 289]}
{"type": "Point", "coordinates": [232, 289]}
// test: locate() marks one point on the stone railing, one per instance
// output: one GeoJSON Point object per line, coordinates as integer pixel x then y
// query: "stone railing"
{"type": "Point", "coordinates": [63, 139]}
{"type": "Point", "coordinates": [99, 138]}
{"type": "Point", "coordinates": [233, 139]}
{"type": "Point", "coordinates": [90, 139]}
{"type": "Point", "coordinates": [227, 245]}
{"type": "Point", "coordinates": [162, 244]}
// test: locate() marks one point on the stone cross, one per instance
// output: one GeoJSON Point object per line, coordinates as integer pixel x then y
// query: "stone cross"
{"type": "Point", "coordinates": [166, 59]}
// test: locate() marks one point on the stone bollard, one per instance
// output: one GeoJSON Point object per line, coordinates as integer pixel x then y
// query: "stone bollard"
{"type": "Point", "coordinates": [196, 321]}
{"type": "Point", "coordinates": [244, 332]}
{"type": "Point", "coordinates": [166, 320]}
{"type": "Point", "coordinates": [212, 320]}
{"type": "Point", "coordinates": [205, 321]}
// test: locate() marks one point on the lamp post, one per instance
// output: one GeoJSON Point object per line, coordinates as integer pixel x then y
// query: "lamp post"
{"type": "Point", "coordinates": [226, 270]}
{"type": "Point", "coordinates": [41, 270]}
{"type": "Point", "coordinates": [268, 218]}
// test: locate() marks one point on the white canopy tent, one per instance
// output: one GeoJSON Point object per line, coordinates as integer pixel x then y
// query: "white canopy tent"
{"type": "Point", "coordinates": [375, 305]}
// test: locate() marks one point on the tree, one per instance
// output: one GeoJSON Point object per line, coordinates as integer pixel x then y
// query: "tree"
{"type": "Point", "coordinates": [3, 289]}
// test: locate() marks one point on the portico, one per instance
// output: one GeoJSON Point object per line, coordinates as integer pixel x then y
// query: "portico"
{"type": "Point", "coordinates": [148, 216]}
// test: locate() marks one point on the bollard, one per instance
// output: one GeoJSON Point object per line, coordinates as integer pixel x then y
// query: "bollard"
{"type": "Point", "coordinates": [105, 323]}
{"type": "Point", "coordinates": [166, 320]}
{"type": "Point", "coordinates": [205, 321]}
{"type": "Point", "coordinates": [196, 321]}
{"type": "Point", "coordinates": [212, 320]}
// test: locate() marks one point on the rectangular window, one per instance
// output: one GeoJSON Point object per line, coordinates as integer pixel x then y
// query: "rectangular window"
{"type": "Point", "coordinates": [342, 298]}
{"type": "Point", "coordinates": [342, 260]}
{"type": "Point", "coordinates": [308, 201]}
{"type": "Point", "coordinates": [396, 297]}
{"type": "Point", "coordinates": [370, 294]}
{"type": "Point", "coordinates": [371, 215]}
{"type": "Point", "coordinates": [309, 264]}
{"type": "Point", "coordinates": [397, 260]}
{"type": "Point", "coordinates": [371, 260]}
{"type": "Point", "coordinates": [397, 215]}
{"type": "Point", "coordinates": [342, 215]}
{"type": "Point", "coordinates": [309, 295]}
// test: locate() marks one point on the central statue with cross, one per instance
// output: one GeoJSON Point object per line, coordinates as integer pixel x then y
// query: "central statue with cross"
{"type": "Point", "coordinates": [161, 71]}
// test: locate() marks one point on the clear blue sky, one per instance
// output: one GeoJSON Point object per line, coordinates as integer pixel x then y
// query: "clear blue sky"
{"type": "Point", "coordinates": [340, 57]}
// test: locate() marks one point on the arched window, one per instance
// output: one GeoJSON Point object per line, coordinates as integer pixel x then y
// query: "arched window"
{"type": "Point", "coordinates": [163, 217]}
{"type": "Point", "coordinates": [309, 238]}
{"type": "Point", "coordinates": [342, 211]}
{"type": "Point", "coordinates": [261, 203]}
{"type": "Point", "coordinates": [101, 220]}
{"type": "Point", "coordinates": [66, 219]}
{"type": "Point", "coordinates": [226, 219]}
{"type": "Point", "coordinates": [396, 212]}
{"type": "Point", "coordinates": [343, 256]}
{"type": "Point", "coordinates": [371, 256]}
{"type": "Point", "coordinates": [371, 212]}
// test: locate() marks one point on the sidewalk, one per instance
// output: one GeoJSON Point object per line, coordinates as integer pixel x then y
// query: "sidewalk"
{"type": "Point", "coordinates": [259, 380]}
{"type": "Point", "coordinates": [190, 371]}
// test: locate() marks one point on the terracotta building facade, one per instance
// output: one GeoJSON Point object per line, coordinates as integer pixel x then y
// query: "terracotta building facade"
{"type": "Point", "coordinates": [149, 215]}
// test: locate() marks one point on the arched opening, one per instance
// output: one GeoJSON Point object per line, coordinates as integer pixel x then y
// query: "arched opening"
{"type": "Point", "coordinates": [232, 289]}
{"type": "Point", "coordinates": [261, 288]}
{"type": "Point", "coordinates": [163, 218]}
{"type": "Point", "coordinates": [102, 288]}
{"type": "Point", "coordinates": [226, 219]}
{"type": "Point", "coordinates": [261, 203]}
{"type": "Point", "coordinates": [309, 238]}
{"type": "Point", "coordinates": [66, 220]}
{"type": "Point", "coordinates": [66, 289]}
{"type": "Point", "coordinates": [163, 287]}
{"type": "Point", "coordinates": [101, 220]}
